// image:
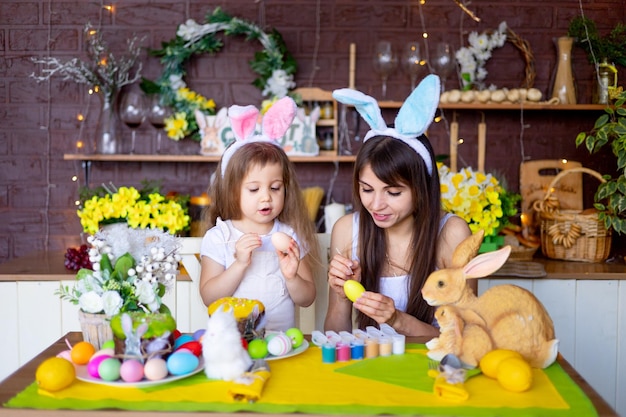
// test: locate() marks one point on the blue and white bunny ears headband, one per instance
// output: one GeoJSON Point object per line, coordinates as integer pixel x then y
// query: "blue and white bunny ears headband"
{"type": "Point", "coordinates": [243, 121]}
{"type": "Point", "coordinates": [414, 117]}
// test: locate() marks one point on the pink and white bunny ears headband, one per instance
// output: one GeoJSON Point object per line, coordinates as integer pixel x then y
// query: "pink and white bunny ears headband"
{"type": "Point", "coordinates": [243, 121]}
{"type": "Point", "coordinates": [414, 117]}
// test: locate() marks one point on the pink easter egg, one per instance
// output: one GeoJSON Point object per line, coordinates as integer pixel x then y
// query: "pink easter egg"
{"type": "Point", "coordinates": [66, 354]}
{"type": "Point", "coordinates": [94, 363]}
{"type": "Point", "coordinates": [131, 370]}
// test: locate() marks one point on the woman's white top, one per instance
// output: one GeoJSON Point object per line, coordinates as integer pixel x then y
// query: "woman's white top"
{"type": "Point", "coordinates": [263, 279]}
{"type": "Point", "coordinates": [396, 287]}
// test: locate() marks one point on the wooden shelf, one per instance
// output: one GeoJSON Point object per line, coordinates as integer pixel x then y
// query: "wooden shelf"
{"type": "Point", "coordinates": [502, 106]}
{"type": "Point", "coordinates": [322, 157]}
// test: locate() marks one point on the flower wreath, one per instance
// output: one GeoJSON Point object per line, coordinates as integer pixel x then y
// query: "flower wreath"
{"type": "Point", "coordinates": [274, 65]}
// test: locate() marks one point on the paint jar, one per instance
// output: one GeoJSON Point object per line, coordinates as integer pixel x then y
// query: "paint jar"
{"type": "Point", "coordinates": [343, 352]}
{"type": "Point", "coordinates": [385, 347]}
{"type": "Point", "coordinates": [329, 353]}
{"type": "Point", "coordinates": [357, 350]}
{"type": "Point", "coordinates": [371, 348]}
{"type": "Point", "coordinates": [399, 343]}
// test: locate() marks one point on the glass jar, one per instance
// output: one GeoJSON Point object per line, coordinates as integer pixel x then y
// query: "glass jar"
{"type": "Point", "coordinates": [198, 204]}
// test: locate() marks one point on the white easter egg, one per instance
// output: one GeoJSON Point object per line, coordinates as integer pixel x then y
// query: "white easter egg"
{"type": "Point", "coordinates": [281, 241]}
{"type": "Point", "coordinates": [279, 345]}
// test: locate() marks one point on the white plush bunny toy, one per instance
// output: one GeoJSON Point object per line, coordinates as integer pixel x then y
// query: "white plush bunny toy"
{"type": "Point", "coordinates": [224, 355]}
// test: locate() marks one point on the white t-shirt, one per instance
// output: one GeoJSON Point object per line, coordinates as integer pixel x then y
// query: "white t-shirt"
{"type": "Point", "coordinates": [263, 279]}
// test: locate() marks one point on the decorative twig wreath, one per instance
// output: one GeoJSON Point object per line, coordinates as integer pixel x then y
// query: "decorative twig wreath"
{"type": "Point", "coordinates": [527, 54]}
{"type": "Point", "coordinates": [472, 58]}
{"type": "Point", "coordinates": [274, 65]}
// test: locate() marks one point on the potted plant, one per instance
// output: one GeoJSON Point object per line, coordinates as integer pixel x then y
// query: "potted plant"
{"type": "Point", "coordinates": [610, 197]}
{"type": "Point", "coordinates": [611, 47]}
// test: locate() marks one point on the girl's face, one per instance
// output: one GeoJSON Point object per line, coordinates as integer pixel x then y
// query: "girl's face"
{"type": "Point", "coordinates": [389, 206]}
{"type": "Point", "coordinates": [262, 196]}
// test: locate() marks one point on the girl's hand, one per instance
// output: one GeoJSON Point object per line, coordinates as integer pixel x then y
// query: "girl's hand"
{"type": "Point", "coordinates": [377, 306]}
{"type": "Point", "coordinates": [244, 247]}
{"type": "Point", "coordinates": [290, 260]}
{"type": "Point", "coordinates": [341, 269]}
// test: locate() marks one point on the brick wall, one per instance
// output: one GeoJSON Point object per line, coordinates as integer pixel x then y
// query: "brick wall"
{"type": "Point", "coordinates": [38, 122]}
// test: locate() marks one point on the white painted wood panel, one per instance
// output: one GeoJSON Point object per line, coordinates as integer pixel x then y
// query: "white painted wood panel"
{"type": "Point", "coordinates": [38, 316]}
{"type": "Point", "coordinates": [9, 326]}
{"type": "Point", "coordinates": [596, 338]}
{"type": "Point", "coordinates": [620, 367]}
{"type": "Point", "coordinates": [559, 298]}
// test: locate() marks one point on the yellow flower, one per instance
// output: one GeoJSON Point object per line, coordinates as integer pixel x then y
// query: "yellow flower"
{"type": "Point", "coordinates": [128, 205]}
{"type": "Point", "coordinates": [476, 197]}
{"type": "Point", "coordinates": [176, 126]}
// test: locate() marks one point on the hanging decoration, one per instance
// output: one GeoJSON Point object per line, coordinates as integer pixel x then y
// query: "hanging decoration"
{"type": "Point", "coordinates": [274, 65]}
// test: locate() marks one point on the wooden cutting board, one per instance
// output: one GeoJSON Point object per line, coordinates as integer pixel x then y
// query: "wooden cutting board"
{"type": "Point", "coordinates": [535, 176]}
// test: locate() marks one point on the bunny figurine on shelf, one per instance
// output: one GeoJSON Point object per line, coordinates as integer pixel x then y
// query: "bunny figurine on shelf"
{"type": "Point", "coordinates": [513, 317]}
{"type": "Point", "coordinates": [211, 143]}
{"type": "Point", "coordinates": [224, 355]}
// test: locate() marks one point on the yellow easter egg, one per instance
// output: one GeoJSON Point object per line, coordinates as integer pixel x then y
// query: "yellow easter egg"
{"type": "Point", "coordinates": [353, 289]}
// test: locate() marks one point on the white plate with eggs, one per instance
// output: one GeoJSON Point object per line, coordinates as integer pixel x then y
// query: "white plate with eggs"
{"type": "Point", "coordinates": [83, 375]}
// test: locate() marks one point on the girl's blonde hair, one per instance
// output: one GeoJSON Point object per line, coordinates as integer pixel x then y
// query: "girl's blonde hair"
{"type": "Point", "coordinates": [225, 192]}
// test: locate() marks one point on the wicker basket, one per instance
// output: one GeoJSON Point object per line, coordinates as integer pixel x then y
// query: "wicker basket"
{"type": "Point", "coordinates": [571, 235]}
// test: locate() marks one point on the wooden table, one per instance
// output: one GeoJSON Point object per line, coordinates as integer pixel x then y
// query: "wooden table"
{"type": "Point", "coordinates": [26, 374]}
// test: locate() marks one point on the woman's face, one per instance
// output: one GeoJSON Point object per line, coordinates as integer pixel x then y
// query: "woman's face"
{"type": "Point", "coordinates": [389, 206]}
{"type": "Point", "coordinates": [262, 194]}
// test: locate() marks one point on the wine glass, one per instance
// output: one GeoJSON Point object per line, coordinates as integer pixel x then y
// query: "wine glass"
{"type": "Point", "coordinates": [133, 113]}
{"type": "Point", "coordinates": [385, 62]}
{"type": "Point", "coordinates": [157, 113]}
{"type": "Point", "coordinates": [412, 62]}
{"type": "Point", "coordinates": [443, 62]}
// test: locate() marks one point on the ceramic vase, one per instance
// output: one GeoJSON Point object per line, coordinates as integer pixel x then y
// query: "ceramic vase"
{"type": "Point", "coordinates": [563, 87]}
{"type": "Point", "coordinates": [108, 127]}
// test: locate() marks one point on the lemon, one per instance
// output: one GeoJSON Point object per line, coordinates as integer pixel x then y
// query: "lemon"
{"type": "Point", "coordinates": [54, 374]}
{"type": "Point", "coordinates": [515, 374]}
{"type": "Point", "coordinates": [490, 362]}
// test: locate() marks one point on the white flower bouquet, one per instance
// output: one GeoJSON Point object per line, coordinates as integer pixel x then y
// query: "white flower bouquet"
{"type": "Point", "coordinates": [132, 270]}
{"type": "Point", "coordinates": [473, 58]}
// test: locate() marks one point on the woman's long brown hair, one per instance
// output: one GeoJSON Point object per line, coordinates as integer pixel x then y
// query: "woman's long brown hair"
{"type": "Point", "coordinates": [395, 163]}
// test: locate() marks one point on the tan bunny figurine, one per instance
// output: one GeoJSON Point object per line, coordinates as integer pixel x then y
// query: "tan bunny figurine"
{"type": "Point", "coordinates": [513, 316]}
{"type": "Point", "coordinates": [211, 144]}
{"type": "Point", "coordinates": [467, 341]}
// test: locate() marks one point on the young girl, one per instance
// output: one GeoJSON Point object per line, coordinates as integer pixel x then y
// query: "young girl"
{"type": "Point", "coordinates": [398, 233]}
{"type": "Point", "coordinates": [255, 194]}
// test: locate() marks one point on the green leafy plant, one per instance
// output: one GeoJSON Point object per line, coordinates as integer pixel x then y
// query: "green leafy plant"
{"type": "Point", "coordinates": [611, 46]}
{"type": "Point", "coordinates": [610, 197]}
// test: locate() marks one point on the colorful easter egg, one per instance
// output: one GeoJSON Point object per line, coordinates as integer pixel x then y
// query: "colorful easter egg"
{"type": "Point", "coordinates": [182, 363]}
{"type": "Point", "coordinates": [155, 369]}
{"type": "Point", "coordinates": [279, 345]}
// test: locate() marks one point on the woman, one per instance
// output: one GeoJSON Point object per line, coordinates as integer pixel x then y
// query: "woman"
{"type": "Point", "coordinates": [398, 233]}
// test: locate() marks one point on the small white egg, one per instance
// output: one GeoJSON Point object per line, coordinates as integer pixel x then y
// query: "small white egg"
{"type": "Point", "coordinates": [281, 241]}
